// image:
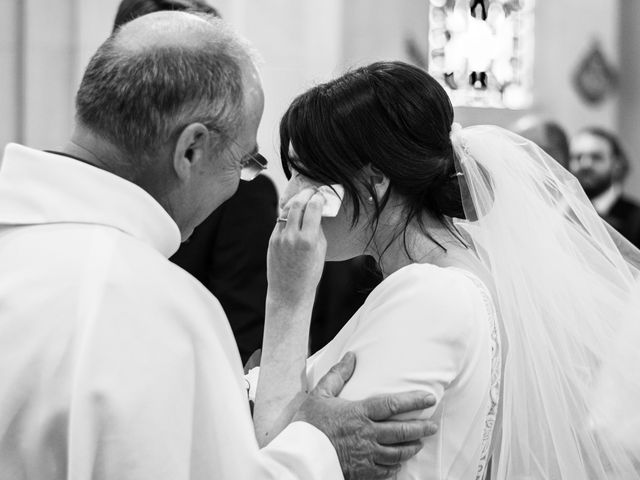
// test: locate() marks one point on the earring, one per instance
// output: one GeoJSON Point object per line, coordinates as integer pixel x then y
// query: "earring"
{"type": "Point", "coordinates": [370, 199]}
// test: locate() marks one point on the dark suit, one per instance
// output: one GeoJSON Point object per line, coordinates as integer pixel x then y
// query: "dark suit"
{"type": "Point", "coordinates": [624, 216]}
{"type": "Point", "coordinates": [343, 288]}
{"type": "Point", "coordinates": [228, 254]}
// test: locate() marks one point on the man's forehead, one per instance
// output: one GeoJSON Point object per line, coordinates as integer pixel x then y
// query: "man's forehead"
{"type": "Point", "coordinates": [589, 141]}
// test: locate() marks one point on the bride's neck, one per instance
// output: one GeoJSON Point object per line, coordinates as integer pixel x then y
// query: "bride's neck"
{"type": "Point", "coordinates": [440, 247]}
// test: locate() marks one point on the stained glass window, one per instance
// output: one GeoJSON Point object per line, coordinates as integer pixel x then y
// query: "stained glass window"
{"type": "Point", "coordinates": [482, 51]}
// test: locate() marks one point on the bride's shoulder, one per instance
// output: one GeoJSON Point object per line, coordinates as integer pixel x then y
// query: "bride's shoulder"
{"type": "Point", "coordinates": [420, 303]}
{"type": "Point", "coordinates": [429, 279]}
{"type": "Point", "coordinates": [428, 287]}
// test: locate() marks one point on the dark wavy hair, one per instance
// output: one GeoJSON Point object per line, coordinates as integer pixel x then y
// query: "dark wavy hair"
{"type": "Point", "coordinates": [391, 115]}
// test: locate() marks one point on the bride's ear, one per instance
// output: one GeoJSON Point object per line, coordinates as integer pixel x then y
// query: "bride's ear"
{"type": "Point", "coordinates": [377, 180]}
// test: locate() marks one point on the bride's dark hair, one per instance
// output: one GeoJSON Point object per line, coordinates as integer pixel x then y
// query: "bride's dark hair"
{"type": "Point", "coordinates": [391, 115]}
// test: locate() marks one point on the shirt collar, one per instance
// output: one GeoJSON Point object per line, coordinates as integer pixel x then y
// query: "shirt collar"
{"type": "Point", "coordinates": [39, 188]}
{"type": "Point", "coordinates": [605, 201]}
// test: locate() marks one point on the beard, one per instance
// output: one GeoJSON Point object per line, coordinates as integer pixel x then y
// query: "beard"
{"type": "Point", "coordinates": [592, 183]}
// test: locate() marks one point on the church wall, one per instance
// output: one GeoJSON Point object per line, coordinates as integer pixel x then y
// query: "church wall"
{"type": "Point", "coordinates": [10, 63]}
{"type": "Point", "coordinates": [629, 117]}
{"type": "Point", "coordinates": [304, 42]}
{"type": "Point", "coordinates": [377, 29]}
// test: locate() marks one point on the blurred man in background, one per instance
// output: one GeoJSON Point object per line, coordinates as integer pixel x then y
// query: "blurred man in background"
{"type": "Point", "coordinates": [601, 165]}
{"type": "Point", "coordinates": [547, 134]}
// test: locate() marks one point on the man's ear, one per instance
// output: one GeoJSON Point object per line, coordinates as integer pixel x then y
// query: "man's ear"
{"type": "Point", "coordinates": [377, 180]}
{"type": "Point", "coordinates": [190, 149]}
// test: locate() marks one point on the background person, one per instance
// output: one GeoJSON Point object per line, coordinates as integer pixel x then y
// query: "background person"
{"type": "Point", "coordinates": [548, 135]}
{"type": "Point", "coordinates": [601, 165]}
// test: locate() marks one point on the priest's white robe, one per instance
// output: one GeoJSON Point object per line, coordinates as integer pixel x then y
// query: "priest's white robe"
{"type": "Point", "coordinates": [115, 363]}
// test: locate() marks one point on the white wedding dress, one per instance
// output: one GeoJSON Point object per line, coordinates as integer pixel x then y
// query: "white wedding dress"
{"type": "Point", "coordinates": [432, 329]}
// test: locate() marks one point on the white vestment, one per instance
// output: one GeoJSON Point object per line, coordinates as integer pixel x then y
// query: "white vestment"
{"type": "Point", "coordinates": [114, 363]}
{"type": "Point", "coordinates": [431, 329]}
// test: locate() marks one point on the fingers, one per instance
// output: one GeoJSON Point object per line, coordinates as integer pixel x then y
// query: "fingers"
{"type": "Point", "coordinates": [304, 210]}
{"type": "Point", "coordinates": [392, 432]}
{"type": "Point", "coordinates": [313, 213]}
{"type": "Point", "coordinates": [393, 455]}
{"type": "Point", "coordinates": [296, 207]}
{"type": "Point", "coordinates": [334, 380]}
{"type": "Point", "coordinates": [385, 406]}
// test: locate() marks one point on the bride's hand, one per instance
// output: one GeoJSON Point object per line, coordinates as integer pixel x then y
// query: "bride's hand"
{"type": "Point", "coordinates": [297, 249]}
{"type": "Point", "coordinates": [294, 264]}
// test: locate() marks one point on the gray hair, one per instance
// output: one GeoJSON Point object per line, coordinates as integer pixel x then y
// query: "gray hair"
{"type": "Point", "coordinates": [141, 99]}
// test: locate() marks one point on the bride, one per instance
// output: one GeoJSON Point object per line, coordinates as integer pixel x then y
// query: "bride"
{"type": "Point", "coordinates": [502, 295]}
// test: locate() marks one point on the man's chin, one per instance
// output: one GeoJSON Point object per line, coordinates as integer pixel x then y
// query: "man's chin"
{"type": "Point", "coordinates": [595, 189]}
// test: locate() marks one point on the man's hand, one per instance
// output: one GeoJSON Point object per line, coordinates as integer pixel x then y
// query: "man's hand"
{"type": "Point", "coordinates": [369, 445]}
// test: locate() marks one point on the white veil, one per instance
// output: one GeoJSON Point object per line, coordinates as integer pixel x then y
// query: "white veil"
{"type": "Point", "coordinates": [564, 287]}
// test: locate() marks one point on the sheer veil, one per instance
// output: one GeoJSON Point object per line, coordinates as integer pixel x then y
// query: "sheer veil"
{"type": "Point", "coordinates": [565, 287]}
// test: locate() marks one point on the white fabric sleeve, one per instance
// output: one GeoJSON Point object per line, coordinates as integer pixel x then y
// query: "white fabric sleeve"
{"type": "Point", "coordinates": [301, 451]}
{"type": "Point", "coordinates": [151, 424]}
{"type": "Point", "coordinates": [158, 394]}
{"type": "Point", "coordinates": [414, 336]}
{"type": "Point", "coordinates": [300, 444]}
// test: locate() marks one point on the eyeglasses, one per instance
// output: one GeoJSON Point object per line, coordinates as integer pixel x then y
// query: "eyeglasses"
{"type": "Point", "coordinates": [251, 165]}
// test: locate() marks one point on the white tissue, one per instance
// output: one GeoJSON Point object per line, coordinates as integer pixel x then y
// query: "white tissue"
{"type": "Point", "coordinates": [333, 195]}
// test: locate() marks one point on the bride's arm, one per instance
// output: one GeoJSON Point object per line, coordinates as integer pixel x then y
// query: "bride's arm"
{"type": "Point", "coordinates": [295, 260]}
{"type": "Point", "coordinates": [282, 383]}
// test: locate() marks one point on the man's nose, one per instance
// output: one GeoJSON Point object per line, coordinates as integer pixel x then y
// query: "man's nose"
{"type": "Point", "coordinates": [583, 161]}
